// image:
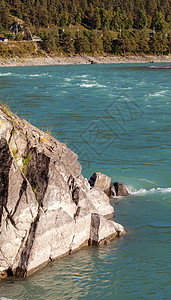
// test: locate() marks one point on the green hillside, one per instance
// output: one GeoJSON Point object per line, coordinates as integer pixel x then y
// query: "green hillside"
{"type": "Point", "coordinates": [92, 27]}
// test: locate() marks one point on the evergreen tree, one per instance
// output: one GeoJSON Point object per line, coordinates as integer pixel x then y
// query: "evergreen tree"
{"type": "Point", "coordinates": [162, 43]}
{"type": "Point", "coordinates": [129, 22]}
{"type": "Point", "coordinates": [107, 41]}
{"type": "Point", "coordinates": [5, 18]}
{"type": "Point", "coordinates": [143, 46]}
{"type": "Point", "coordinates": [141, 21]}
{"type": "Point", "coordinates": [122, 16]}
{"type": "Point", "coordinates": [78, 18]}
{"type": "Point", "coordinates": [159, 21]}
{"type": "Point", "coordinates": [105, 18]}
{"type": "Point", "coordinates": [127, 43]}
{"type": "Point", "coordinates": [82, 44]}
{"type": "Point", "coordinates": [151, 7]}
{"type": "Point", "coordinates": [96, 43]}
{"type": "Point", "coordinates": [67, 43]}
{"type": "Point", "coordinates": [96, 22]}
{"type": "Point", "coordinates": [169, 43]}
{"type": "Point", "coordinates": [49, 44]}
{"type": "Point", "coordinates": [115, 21]}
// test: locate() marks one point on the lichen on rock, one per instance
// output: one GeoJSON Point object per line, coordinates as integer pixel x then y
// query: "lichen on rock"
{"type": "Point", "coordinates": [47, 208]}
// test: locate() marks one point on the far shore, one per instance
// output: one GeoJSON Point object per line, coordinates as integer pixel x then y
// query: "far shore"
{"type": "Point", "coordinates": [81, 60]}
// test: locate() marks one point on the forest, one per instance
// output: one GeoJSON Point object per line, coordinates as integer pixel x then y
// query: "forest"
{"type": "Point", "coordinates": [117, 27]}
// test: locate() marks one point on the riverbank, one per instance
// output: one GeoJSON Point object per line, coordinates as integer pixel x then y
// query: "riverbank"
{"type": "Point", "coordinates": [80, 60]}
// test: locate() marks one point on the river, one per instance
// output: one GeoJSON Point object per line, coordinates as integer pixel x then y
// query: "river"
{"type": "Point", "coordinates": [117, 118]}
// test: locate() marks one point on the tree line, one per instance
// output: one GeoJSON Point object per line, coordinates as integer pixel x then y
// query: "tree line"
{"type": "Point", "coordinates": [96, 42]}
{"type": "Point", "coordinates": [94, 26]}
{"type": "Point", "coordinates": [93, 14]}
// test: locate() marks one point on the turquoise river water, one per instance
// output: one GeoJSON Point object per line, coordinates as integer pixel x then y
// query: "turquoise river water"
{"type": "Point", "coordinates": [117, 118]}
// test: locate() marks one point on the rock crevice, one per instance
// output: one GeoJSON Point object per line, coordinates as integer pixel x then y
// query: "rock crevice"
{"type": "Point", "coordinates": [47, 208]}
{"type": "Point", "coordinates": [5, 164]}
{"type": "Point", "coordinates": [21, 270]}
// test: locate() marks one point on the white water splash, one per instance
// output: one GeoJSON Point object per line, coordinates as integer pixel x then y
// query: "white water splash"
{"type": "Point", "coordinates": [158, 93]}
{"type": "Point", "coordinates": [133, 191]}
{"type": "Point", "coordinates": [88, 85]}
{"type": "Point", "coordinates": [39, 75]}
{"type": "Point", "coordinates": [5, 74]}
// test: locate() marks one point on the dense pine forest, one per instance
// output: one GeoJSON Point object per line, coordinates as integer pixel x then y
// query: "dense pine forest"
{"type": "Point", "coordinates": [117, 27]}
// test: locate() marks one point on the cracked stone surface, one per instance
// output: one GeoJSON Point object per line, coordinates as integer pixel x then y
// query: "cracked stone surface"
{"type": "Point", "coordinates": [47, 208]}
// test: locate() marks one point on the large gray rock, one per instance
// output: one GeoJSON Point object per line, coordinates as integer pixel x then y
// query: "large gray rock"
{"type": "Point", "coordinates": [101, 202]}
{"type": "Point", "coordinates": [101, 181]}
{"type": "Point", "coordinates": [99, 227]}
{"type": "Point", "coordinates": [47, 209]}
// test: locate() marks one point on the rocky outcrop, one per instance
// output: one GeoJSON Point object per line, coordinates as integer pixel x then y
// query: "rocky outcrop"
{"type": "Point", "coordinates": [119, 189]}
{"type": "Point", "coordinates": [47, 208]}
{"type": "Point", "coordinates": [101, 181]}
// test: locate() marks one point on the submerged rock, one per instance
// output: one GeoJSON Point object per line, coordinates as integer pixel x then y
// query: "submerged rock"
{"type": "Point", "coordinates": [47, 208]}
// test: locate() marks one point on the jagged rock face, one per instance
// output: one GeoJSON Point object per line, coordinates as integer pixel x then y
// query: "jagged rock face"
{"type": "Point", "coordinates": [18, 209]}
{"type": "Point", "coordinates": [101, 181]}
{"type": "Point", "coordinates": [47, 208]}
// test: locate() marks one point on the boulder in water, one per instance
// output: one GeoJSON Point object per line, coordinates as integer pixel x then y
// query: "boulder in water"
{"type": "Point", "coordinates": [101, 181]}
{"type": "Point", "coordinates": [119, 189]}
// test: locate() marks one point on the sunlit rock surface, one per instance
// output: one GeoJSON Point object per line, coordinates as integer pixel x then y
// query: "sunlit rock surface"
{"type": "Point", "coordinates": [47, 208]}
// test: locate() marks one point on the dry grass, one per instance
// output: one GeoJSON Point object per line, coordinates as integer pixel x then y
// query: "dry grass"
{"type": "Point", "coordinates": [14, 49]}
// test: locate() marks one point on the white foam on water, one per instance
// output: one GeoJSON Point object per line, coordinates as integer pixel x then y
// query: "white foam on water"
{"type": "Point", "coordinates": [80, 76]}
{"type": "Point", "coordinates": [39, 75]}
{"type": "Point", "coordinates": [75, 77]}
{"type": "Point", "coordinates": [133, 191]}
{"type": "Point", "coordinates": [158, 93]}
{"type": "Point", "coordinates": [127, 88]}
{"type": "Point", "coordinates": [5, 74]}
{"type": "Point", "coordinates": [88, 85]}
{"type": "Point", "coordinates": [34, 75]}
{"type": "Point", "coordinates": [101, 85]}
